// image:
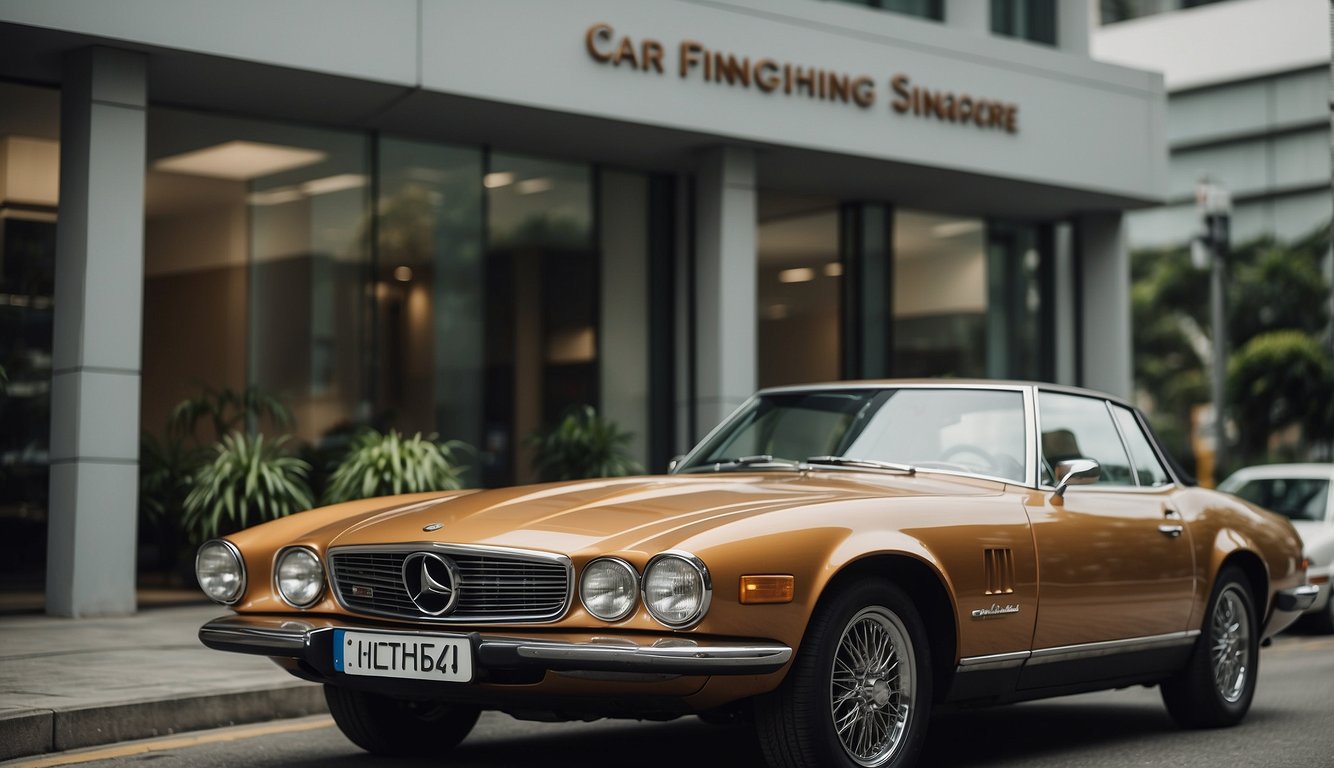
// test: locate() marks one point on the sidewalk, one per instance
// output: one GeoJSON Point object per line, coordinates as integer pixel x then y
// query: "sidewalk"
{"type": "Point", "coordinates": [70, 683]}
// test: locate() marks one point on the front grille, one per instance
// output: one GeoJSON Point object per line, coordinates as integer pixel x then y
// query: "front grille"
{"type": "Point", "coordinates": [494, 585]}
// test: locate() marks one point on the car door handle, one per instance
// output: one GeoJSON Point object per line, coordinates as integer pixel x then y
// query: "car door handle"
{"type": "Point", "coordinates": [1174, 531]}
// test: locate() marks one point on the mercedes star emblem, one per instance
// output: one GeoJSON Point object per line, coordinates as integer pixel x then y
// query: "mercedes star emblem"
{"type": "Point", "coordinates": [432, 582]}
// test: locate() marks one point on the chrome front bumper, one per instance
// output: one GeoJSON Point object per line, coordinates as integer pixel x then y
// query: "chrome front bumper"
{"type": "Point", "coordinates": [279, 637]}
{"type": "Point", "coordinates": [1297, 599]}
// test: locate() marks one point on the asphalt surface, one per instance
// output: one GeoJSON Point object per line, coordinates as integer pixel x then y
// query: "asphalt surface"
{"type": "Point", "coordinates": [1290, 724]}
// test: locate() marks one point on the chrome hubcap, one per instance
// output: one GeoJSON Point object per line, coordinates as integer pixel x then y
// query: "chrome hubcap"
{"type": "Point", "coordinates": [873, 685]}
{"type": "Point", "coordinates": [1230, 645]}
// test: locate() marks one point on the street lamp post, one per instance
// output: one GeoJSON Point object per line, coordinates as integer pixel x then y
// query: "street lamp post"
{"type": "Point", "coordinates": [1210, 249]}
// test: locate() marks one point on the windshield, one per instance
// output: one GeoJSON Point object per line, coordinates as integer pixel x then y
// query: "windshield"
{"type": "Point", "coordinates": [1298, 498]}
{"type": "Point", "coordinates": [976, 431]}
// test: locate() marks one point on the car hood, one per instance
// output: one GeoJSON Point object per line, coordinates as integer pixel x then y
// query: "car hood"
{"type": "Point", "coordinates": [625, 514]}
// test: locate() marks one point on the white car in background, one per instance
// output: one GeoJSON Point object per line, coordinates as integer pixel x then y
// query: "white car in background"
{"type": "Point", "coordinates": [1301, 492]}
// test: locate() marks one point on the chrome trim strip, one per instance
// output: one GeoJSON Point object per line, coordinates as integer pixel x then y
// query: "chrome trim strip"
{"type": "Point", "coordinates": [461, 549]}
{"type": "Point", "coordinates": [689, 657]}
{"type": "Point", "coordinates": [994, 661]}
{"type": "Point", "coordinates": [277, 637]}
{"type": "Point", "coordinates": [1111, 647]}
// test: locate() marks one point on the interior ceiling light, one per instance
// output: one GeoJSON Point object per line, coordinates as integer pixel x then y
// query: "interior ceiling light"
{"type": "Point", "coordinates": [833, 269]}
{"type": "Point", "coordinates": [403, 274]}
{"type": "Point", "coordinates": [533, 186]}
{"type": "Point", "coordinates": [333, 184]}
{"type": "Point", "coordinates": [497, 179]}
{"type": "Point", "coordinates": [956, 228]}
{"type": "Point", "coordinates": [798, 275]}
{"type": "Point", "coordinates": [239, 160]}
{"type": "Point", "coordinates": [276, 196]}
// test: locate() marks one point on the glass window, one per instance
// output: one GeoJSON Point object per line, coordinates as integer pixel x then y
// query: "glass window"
{"type": "Point", "coordinates": [1299, 498]}
{"type": "Point", "coordinates": [797, 289]}
{"type": "Point", "coordinates": [429, 285]}
{"type": "Point", "coordinates": [940, 295]}
{"type": "Point", "coordinates": [1020, 323]}
{"type": "Point", "coordinates": [29, 147]}
{"type": "Point", "coordinates": [973, 431]}
{"type": "Point", "coordinates": [542, 305]}
{"type": "Point", "coordinates": [925, 9]}
{"type": "Point", "coordinates": [1032, 20]}
{"type": "Point", "coordinates": [979, 431]}
{"type": "Point", "coordinates": [1076, 427]}
{"type": "Point", "coordinates": [1148, 470]}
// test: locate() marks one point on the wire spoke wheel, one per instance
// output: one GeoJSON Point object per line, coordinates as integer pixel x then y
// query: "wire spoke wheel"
{"type": "Point", "coordinates": [1230, 638]}
{"type": "Point", "coordinates": [872, 687]}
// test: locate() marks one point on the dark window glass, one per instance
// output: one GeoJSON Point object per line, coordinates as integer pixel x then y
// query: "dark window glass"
{"type": "Point", "coordinates": [1076, 427]}
{"type": "Point", "coordinates": [1148, 469]}
{"type": "Point", "coordinates": [1299, 498]}
{"type": "Point", "coordinates": [1032, 20]}
{"type": "Point", "coordinates": [926, 9]}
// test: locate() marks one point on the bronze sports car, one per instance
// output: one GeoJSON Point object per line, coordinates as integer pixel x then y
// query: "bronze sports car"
{"type": "Point", "coordinates": [830, 563]}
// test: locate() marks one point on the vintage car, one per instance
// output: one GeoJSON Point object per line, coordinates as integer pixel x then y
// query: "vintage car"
{"type": "Point", "coordinates": [830, 563]}
{"type": "Point", "coordinates": [1299, 492]}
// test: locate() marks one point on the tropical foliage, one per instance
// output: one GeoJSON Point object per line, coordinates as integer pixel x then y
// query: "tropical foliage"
{"type": "Point", "coordinates": [583, 445]}
{"type": "Point", "coordinates": [249, 480]}
{"type": "Point", "coordinates": [378, 464]}
{"type": "Point", "coordinates": [1272, 288]}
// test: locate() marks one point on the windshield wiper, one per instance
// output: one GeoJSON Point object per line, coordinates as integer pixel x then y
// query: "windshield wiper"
{"type": "Point", "coordinates": [763, 460]}
{"type": "Point", "coordinates": [844, 461]}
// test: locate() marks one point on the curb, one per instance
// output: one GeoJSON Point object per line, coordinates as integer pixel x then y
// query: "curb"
{"type": "Point", "coordinates": [43, 731]}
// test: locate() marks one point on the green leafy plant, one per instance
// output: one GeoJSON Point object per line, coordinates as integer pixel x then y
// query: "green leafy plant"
{"type": "Point", "coordinates": [249, 480]}
{"type": "Point", "coordinates": [226, 410]}
{"type": "Point", "coordinates": [380, 464]}
{"type": "Point", "coordinates": [583, 445]}
{"type": "Point", "coordinates": [1279, 379]}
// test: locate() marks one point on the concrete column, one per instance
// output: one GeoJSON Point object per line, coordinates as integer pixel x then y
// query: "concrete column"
{"type": "Point", "coordinates": [725, 265]}
{"type": "Point", "coordinates": [971, 15]}
{"type": "Point", "coordinates": [1075, 20]}
{"type": "Point", "coordinates": [1105, 290]}
{"type": "Point", "coordinates": [96, 347]}
{"type": "Point", "coordinates": [1064, 294]}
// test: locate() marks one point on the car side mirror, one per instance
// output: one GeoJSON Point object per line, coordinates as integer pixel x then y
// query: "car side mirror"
{"type": "Point", "coordinates": [1075, 472]}
{"type": "Point", "coordinates": [671, 465]}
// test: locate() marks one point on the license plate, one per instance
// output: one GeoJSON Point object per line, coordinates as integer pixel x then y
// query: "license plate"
{"type": "Point", "coordinates": [415, 657]}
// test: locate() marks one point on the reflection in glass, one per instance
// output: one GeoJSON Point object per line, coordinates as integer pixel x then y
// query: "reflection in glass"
{"type": "Point", "coordinates": [429, 286]}
{"type": "Point", "coordinates": [542, 308]}
{"type": "Point", "coordinates": [971, 431]}
{"type": "Point", "coordinates": [797, 291]}
{"type": "Point", "coordinates": [940, 295]}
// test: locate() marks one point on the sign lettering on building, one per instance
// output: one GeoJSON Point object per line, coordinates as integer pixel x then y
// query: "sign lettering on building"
{"type": "Point", "coordinates": [695, 61]}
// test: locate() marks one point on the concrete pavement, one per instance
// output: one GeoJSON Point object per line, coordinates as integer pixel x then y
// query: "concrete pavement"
{"type": "Point", "coordinates": [70, 683]}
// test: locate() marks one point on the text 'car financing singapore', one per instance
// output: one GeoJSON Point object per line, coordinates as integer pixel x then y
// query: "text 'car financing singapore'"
{"type": "Point", "coordinates": [830, 564]}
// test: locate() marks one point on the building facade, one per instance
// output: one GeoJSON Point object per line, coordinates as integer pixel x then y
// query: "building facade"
{"type": "Point", "coordinates": [465, 218]}
{"type": "Point", "coordinates": [1248, 85]}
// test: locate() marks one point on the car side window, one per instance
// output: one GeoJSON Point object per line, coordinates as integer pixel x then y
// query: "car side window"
{"type": "Point", "coordinates": [1076, 427]}
{"type": "Point", "coordinates": [1147, 467]}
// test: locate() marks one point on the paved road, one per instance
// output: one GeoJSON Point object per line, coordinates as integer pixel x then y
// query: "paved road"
{"type": "Point", "coordinates": [1291, 724]}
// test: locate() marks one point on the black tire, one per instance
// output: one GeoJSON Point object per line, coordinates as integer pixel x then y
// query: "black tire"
{"type": "Point", "coordinates": [796, 723]}
{"type": "Point", "coordinates": [1215, 688]}
{"type": "Point", "coordinates": [398, 728]}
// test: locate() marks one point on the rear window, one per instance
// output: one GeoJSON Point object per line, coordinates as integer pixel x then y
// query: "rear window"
{"type": "Point", "coordinates": [1299, 498]}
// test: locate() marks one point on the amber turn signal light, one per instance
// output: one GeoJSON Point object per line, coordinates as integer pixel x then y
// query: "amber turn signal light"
{"type": "Point", "coordinates": [757, 590]}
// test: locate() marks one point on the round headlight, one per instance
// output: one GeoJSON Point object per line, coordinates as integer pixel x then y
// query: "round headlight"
{"type": "Point", "coordinates": [608, 588]}
{"type": "Point", "coordinates": [299, 576]}
{"type": "Point", "coordinates": [677, 589]}
{"type": "Point", "coordinates": [220, 571]}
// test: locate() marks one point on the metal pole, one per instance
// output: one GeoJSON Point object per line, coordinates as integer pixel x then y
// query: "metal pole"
{"type": "Point", "coordinates": [1218, 319]}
